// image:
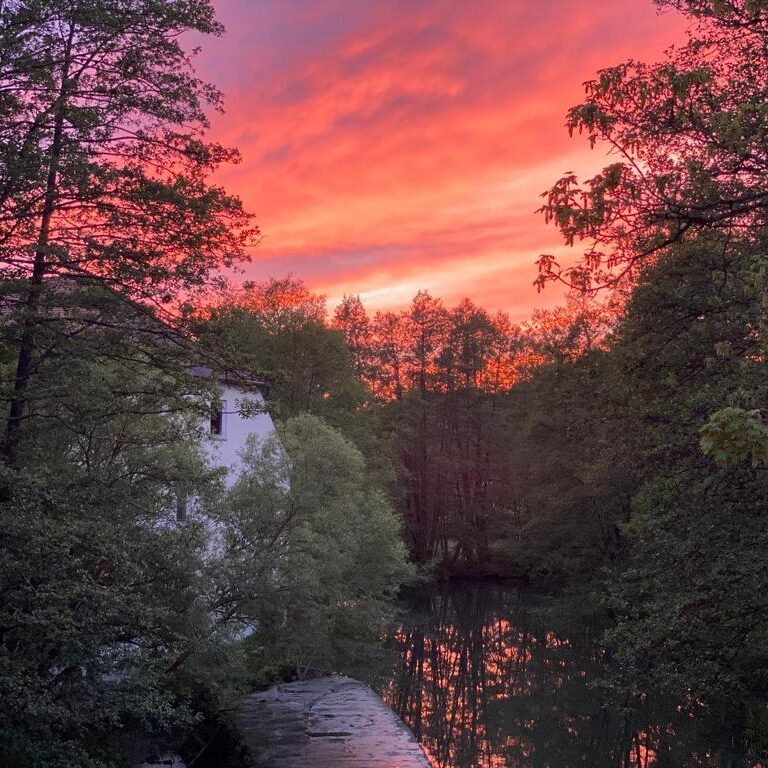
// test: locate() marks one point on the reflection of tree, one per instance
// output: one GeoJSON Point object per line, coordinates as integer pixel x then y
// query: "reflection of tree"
{"type": "Point", "coordinates": [483, 680]}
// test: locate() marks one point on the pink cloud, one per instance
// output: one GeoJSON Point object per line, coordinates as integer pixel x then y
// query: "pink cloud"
{"type": "Point", "coordinates": [404, 144]}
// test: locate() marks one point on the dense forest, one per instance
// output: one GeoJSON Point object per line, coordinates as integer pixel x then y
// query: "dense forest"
{"type": "Point", "coordinates": [615, 447]}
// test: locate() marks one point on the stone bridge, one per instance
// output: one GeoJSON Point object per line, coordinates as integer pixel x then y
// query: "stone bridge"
{"type": "Point", "coordinates": [329, 722]}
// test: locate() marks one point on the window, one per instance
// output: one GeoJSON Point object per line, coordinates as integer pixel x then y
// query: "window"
{"type": "Point", "coordinates": [181, 506]}
{"type": "Point", "coordinates": [217, 419]}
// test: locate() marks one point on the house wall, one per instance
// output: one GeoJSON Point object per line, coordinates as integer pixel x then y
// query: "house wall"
{"type": "Point", "coordinates": [224, 449]}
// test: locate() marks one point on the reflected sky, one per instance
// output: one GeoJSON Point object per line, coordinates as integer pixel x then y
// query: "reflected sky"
{"type": "Point", "coordinates": [491, 677]}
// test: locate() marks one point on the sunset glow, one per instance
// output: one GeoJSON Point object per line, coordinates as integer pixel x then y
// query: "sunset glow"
{"type": "Point", "coordinates": [392, 147]}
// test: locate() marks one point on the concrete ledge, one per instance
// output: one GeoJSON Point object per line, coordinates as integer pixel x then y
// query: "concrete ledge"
{"type": "Point", "coordinates": [329, 722]}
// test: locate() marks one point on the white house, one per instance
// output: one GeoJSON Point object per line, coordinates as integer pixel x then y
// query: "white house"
{"type": "Point", "coordinates": [240, 412]}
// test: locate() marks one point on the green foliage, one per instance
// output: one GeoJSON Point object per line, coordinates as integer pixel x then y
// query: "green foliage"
{"type": "Point", "coordinates": [101, 595]}
{"type": "Point", "coordinates": [693, 599]}
{"type": "Point", "coordinates": [462, 402]}
{"type": "Point", "coordinates": [733, 434]}
{"type": "Point", "coordinates": [572, 485]}
{"type": "Point", "coordinates": [117, 620]}
{"type": "Point", "coordinates": [690, 599]}
{"type": "Point", "coordinates": [103, 165]}
{"type": "Point", "coordinates": [105, 625]}
{"type": "Point", "coordinates": [278, 329]}
{"type": "Point", "coordinates": [102, 162]}
{"type": "Point", "coordinates": [690, 135]}
{"type": "Point", "coordinates": [314, 543]}
{"type": "Point", "coordinates": [678, 223]}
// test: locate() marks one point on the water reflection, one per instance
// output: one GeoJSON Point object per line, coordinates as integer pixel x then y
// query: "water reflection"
{"type": "Point", "coordinates": [487, 676]}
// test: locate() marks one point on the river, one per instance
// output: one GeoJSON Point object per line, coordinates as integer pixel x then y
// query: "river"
{"type": "Point", "coordinates": [487, 675]}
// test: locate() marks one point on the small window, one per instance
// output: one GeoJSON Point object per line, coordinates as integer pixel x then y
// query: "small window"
{"type": "Point", "coordinates": [181, 506]}
{"type": "Point", "coordinates": [217, 419]}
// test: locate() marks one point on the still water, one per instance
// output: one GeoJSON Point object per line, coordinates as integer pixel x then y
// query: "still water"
{"type": "Point", "coordinates": [490, 676]}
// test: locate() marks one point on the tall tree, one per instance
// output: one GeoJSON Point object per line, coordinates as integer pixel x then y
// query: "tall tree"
{"type": "Point", "coordinates": [692, 601]}
{"type": "Point", "coordinates": [313, 540]}
{"type": "Point", "coordinates": [102, 588]}
{"type": "Point", "coordinates": [351, 318]}
{"type": "Point", "coordinates": [103, 163]}
{"type": "Point", "coordinates": [689, 133]}
{"type": "Point", "coordinates": [277, 328]}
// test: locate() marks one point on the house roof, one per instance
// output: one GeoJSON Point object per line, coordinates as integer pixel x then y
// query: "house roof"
{"type": "Point", "coordinates": [239, 379]}
{"type": "Point", "coordinates": [140, 319]}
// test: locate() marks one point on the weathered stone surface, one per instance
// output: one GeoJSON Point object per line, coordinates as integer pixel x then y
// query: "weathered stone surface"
{"type": "Point", "coordinates": [167, 760]}
{"type": "Point", "coordinates": [330, 722]}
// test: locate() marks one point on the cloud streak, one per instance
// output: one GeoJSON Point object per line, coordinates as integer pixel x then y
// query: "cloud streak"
{"type": "Point", "coordinates": [391, 146]}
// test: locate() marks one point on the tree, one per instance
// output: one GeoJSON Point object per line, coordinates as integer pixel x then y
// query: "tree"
{"type": "Point", "coordinates": [103, 164]}
{"type": "Point", "coordinates": [103, 617]}
{"type": "Point", "coordinates": [277, 328]}
{"type": "Point", "coordinates": [435, 374]}
{"type": "Point", "coordinates": [311, 543]}
{"type": "Point", "coordinates": [689, 133]}
{"type": "Point", "coordinates": [569, 482]}
{"type": "Point", "coordinates": [108, 226]}
{"type": "Point", "coordinates": [92, 614]}
{"type": "Point", "coordinates": [117, 619]}
{"type": "Point", "coordinates": [680, 217]}
{"type": "Point", "coordinates": [691, 602]}
{"type": "Point", "coordinates": [352, 320]}
{"type": "Point", "coordinates": [282, 304]}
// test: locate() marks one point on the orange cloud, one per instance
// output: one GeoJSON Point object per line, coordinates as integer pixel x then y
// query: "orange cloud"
{"type": "Point", "coordinates": [394, 146]}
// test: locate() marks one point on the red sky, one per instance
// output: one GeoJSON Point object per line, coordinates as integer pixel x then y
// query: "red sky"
{"type": "Point", "coordinates": [393, 145]}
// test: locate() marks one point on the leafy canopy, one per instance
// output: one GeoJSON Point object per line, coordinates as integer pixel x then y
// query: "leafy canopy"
{"type": "Point", "coordinates": [689, 137]}
{"type": "Point", "coordinates": [103, 161]}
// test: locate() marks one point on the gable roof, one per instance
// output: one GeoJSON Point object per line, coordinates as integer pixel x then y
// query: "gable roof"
{"type": "Point", "coordinates": [238, 379]}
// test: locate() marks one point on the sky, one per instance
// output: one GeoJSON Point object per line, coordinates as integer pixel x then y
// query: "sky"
{"type": "Point", "coordinates": [390, 146]}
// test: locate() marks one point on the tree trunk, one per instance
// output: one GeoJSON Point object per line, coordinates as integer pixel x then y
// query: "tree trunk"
{"type": "Point", "coordinates": [25, 357]}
